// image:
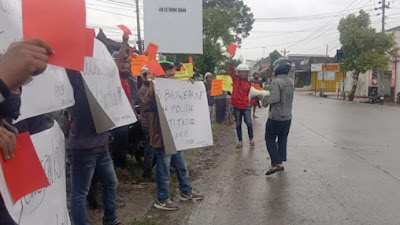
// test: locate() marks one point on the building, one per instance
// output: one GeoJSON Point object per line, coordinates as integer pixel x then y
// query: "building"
{"type": "Point", "coordinates": [395, 65]}
{"type": "Point", "coordinates": [327, 75]}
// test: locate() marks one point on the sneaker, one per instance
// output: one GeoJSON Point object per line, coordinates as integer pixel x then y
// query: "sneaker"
{"type": "Point", "coordinates": [167, 205]}
{"type": "Point", "coordinates": [191, 196]}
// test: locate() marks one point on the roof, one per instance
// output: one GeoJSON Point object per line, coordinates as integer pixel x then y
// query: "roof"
{"type": "Point", "coordinates": [394, 29]}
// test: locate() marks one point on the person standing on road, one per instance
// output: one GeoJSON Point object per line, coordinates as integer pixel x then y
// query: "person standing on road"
{"type": "Point", "coordinates": [280, 114]}
{"type": "Point", "coordinates": [240, 100]}
{"type": "Point", "coordinates": [255, 102]}
{"type": "Point", "coordinates": [211, 101]}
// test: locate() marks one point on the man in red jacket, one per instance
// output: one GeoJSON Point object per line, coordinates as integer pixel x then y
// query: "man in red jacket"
{"type": "Point", "coordinates": [240, 100]}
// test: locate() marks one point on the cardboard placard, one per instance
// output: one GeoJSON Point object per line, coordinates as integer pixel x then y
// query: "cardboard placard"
{"type": "Point", "coordinates": [216, 87]}
{"type": "Point", "coordinates": [155, 67]}
{"type": "Point", "coordinates": [232, 49]}
{"type": "Point", "coordinates": [227, 84]}
{"type": "Point", "coordinates": [137, 63]}
{"type": "Point", "coordinates": [125, 29]}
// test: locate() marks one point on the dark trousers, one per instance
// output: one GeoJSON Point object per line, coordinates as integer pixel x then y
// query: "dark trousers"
{"type": "Point", "coordinates": [220, 109]}
{"type": "Point", "coordinates": [149, 155]}
{"type": "Point", "coordinates": [239, 115]}
{"type": "Point", "coordinates": [5, 218]}
{"type": "Point", "coordinates": [120, 146]}
{"type": "Point", "coordinates": [276, 134]}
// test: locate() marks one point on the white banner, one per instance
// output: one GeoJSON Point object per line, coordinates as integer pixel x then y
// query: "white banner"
{"type": "Point", "coordinates": [47, 205]}
{"type": "Point", "coordinates": [108, 102]}
{"type": "Point", "coordinates": [179, 21]}
{"type": "Point", "coordinates": [329, 75]}
{"type": "Point", "coordinates": [186, 113]}
{"type": "Point", "coordinates": [10, 22]}
{"type": "Point", "coordinates": [47, 92]}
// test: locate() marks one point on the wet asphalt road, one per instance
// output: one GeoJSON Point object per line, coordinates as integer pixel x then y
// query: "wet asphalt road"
{"type": "Point", "coordinates": [343, 168]}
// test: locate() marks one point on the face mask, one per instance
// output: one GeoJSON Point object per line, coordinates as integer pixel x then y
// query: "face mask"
{"type": "Point", "coordinates": [11, 106]}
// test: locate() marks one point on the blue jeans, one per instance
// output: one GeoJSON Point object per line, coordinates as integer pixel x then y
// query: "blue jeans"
{"type": "Point", "coordinates": [277, 149]}
{"type": "Point", "coordinates": [82, 170]}
{"type": "Point", "coordinates": [149, 155]}
{"type": "Point", "coordinates": [239, 114]}
{"type": "Point", "coordinates": [163, 176]}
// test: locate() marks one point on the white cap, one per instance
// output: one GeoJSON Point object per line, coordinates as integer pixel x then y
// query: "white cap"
{"type": "Point", "coordinates": [207, 74]}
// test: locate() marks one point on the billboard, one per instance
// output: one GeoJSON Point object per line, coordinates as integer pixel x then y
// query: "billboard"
{"type": "Point", "coordinates": [174, 25]}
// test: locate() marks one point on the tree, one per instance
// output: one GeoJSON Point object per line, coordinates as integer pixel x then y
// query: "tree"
{"type": "Point", "coordinates": [273, 56]}
{"type": "Point", "coordinates": [363, 47]}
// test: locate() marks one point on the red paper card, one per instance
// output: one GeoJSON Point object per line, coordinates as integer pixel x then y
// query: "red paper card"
{"type": "Point", "coordinates": [62, 24]}
{"type": "Point", "coordinates": [152, 50]}
{"type": "Point", "coordinates": [232, 49]}
{"type": "Point", "coordinates": [125, 29]}
{"type": "Point", "coordinates": [89, 46]}
{"type": "Point", "coordinates": [138, 63]}
{"type": "Point", "coordinates": [24, 173]}
{"type": "Point", "coordinates": [190, 59]}
{"type": "Point", "coordinates": [155, 67]}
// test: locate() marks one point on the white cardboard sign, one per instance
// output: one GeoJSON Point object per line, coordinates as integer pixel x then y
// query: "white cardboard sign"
{"type": "Point", "coordinates": [47, 92]}
{"type": "Point", "coordinates": [10, 22]}
{"type": "Point", "coordinates": [186, 110]}
{"type": "Point", "coordinates": [108, 102]}
{"type": "Point", "coordinates": [179, 21]}
{"type": "Point", "coordinates": [47, 205]}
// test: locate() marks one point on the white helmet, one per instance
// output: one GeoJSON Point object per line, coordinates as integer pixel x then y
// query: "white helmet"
{"type": "Point", "coordinates": [243, 67]}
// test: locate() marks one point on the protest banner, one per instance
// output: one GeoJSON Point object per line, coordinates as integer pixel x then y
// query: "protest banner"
{"type": "Point", "coordinates": [55, 26]}
{"type": "Point", "coordinates": [108, 102]}
{"type": "Point", "coordinates": [188, 69]}
{"type": "Point", "coordinates": [47, 92]}
{"type": "Point", "coordinates": [47, 205]}
{"type": "Point", "coordinates": [161, 16]}
{"type": "Point", "coordinates": [216, 87]}
{"type": "Point", "coordinates": [137, 63]}
{"type": "Point", "coordinates": [181, 75]}
{"type": "Point", "coordinates": [10, 23]}
{"type": "Point", "coordinates": [227, 84]}
{"type": "Point", "coordinates": [186, 113]}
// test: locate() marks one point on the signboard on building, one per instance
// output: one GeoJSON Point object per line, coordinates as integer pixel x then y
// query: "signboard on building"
{"type": "Point", "coordinates": [318, 67]}
{"type": "Point", "coordinates": [179, 21]}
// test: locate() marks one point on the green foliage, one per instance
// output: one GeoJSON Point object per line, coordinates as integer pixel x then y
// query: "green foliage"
{"type": "Point", "coordinates": [363, 47]}
{"type": "Point", "coordinates": [273, 56]}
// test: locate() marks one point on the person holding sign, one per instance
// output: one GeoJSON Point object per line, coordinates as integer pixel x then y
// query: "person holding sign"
{"type": "Point", "coordinates": [240, 100]}
{"type": "Point", "coordinates": [255, 102]}
{"type": "Point", "coordinates": [164, 161]}
{"type": "Point", "coordinates": [211, 101]}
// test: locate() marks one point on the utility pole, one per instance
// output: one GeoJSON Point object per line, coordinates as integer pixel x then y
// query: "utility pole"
{"type": "Point", "coordinates": [138, 26]}
{"type": "Point", "coordinates": [284, 52]}
{"type": "Point", "coordinates": [383, 8]}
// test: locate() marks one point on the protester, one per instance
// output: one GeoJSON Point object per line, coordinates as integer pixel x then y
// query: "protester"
{"type": "Point", "coordinates": [164, 161]}
{"type": "Point", "coordinates": [280, 114]}
{"type": "Point", "coordinates": [240, 100]}
{"type": "Point", "coordinates": [255, 102]}
{"type": "Point", "coordinates": [21, 61]}
{"type": "Point", "coordinates": [88, 151]}
{"type": "Point", "coordinates": [149, 152]}
{"type": "Point", "coordinates": [207, 82]}
{"type": "Point", "coordinates": [221, 102]}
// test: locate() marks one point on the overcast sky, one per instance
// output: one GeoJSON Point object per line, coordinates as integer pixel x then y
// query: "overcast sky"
{"type": "Point", "coordinates": [302, 27]}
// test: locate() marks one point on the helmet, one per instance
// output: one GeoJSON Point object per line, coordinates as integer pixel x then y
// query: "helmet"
{"type": "Point", "coordinates": [243, 67]}
{"type": "Point", "coordinates": [282, 66]}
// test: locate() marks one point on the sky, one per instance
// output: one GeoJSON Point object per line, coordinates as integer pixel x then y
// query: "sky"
{"type": "Point", "coordinates": [300, 27]}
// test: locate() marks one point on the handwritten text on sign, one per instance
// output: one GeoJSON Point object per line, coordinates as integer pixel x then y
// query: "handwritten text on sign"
{"type": "Point", "coordinates": [186, 109]}
{"type": "Point", "coordinates": [48, 205]}
{"type": "Point", "coordinates": [53, 89]}
{"type": "Point", "coordinates": [102, 78]}
{"type": "Point", "coordinates": [10, 22]}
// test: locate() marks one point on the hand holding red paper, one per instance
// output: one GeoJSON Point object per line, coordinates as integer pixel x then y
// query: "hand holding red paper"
{"type": "Point", "coordinates": [7, 143]}
{"type": "Point", "coordinates": [125, 29]}
{"type": "Point", "coordinates": [152, 50]}
{"type": "Point", "coordinates": [22, 60]}
{"type": "Point", "coordinates": [24, 173]}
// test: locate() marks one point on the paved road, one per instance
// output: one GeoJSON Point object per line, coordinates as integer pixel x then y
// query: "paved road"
{"type": "Point", "coordinates": [343, 168]}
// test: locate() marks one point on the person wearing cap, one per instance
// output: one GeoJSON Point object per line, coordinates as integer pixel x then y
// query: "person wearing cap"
{"type": "Point", "coordinates": [222, 103]}
{"type": "Point", "coordinates": [164, 161]}
{"type": "Point", "coordinates": [207, 82]}
{"type": "Point", "coordinates": [240, 100]}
